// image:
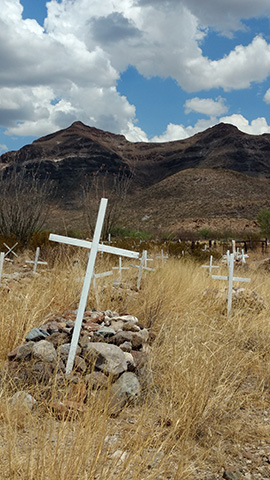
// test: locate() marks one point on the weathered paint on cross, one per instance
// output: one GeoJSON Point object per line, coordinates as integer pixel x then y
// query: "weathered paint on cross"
{"type": "Point", "coordinates": [210, 266]}
{"type": "Point", "coordinates": [2, 258]}
{"type": "Point", "coordinates": [94, 247]}
{"type": "Point", "coordinates": [10, 249]}
{"type": "Point", "coordinates": [230, 278]}
{"type": "Point", "coordinates": [36, 262]}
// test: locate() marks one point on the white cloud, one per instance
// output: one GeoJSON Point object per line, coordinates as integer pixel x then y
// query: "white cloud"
{"type": "Point", "coordinates": [267, 96]}
{"type": "Point", "coordinates": [257, 126]}
{"type": "Point", "coordinates": [225, 15]}
{"type": "Point", "coordinates": [207, 106]}
{"type": "Point", "coordinates": [3, 148]}
{"type": "Point", "coordinates": [69, 69]}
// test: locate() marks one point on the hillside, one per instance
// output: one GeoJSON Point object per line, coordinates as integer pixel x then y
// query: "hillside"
{"type": "Point", "coordinates": [220, 173]}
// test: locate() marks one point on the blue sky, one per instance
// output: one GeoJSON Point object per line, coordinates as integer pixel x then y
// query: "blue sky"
{"type": "Point", "coordinates": [153, 70]}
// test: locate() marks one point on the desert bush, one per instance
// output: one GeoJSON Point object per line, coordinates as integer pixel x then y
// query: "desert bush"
{"type": "Point", "coordinates": [24, 203]}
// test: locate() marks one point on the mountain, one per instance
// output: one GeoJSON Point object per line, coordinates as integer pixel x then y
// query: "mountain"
{"type": "Point", "coordinates": [220, 173]}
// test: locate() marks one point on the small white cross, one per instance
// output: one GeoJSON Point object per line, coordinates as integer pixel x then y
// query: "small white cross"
{"type": "Point", "coordinates": [120, 268]}
{"type": "Point", "coordinates": [226, 258]}
{"type": "Point", "coordinates": [2, 258]}
{"type": "Point", "coordinates": [10, 249]}
{"type": "Point", "coordinates": [36, 262]}
{"type": "Point", "coordinates": [162, 256]}
{"type": "Point", "coordinates": [242, 256]}
{"type": "Point", "coordinates": [142, 267]}
{"type": "Point", "coordinates": [210, 266]}
{"type": "Point", "coordinates": [230, 278]}
{"type": "Point", "coordinates": [94, 247]}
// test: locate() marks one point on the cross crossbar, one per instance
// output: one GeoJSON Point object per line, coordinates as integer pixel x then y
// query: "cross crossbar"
{"type": "Point", "coordinates": [76, 242]}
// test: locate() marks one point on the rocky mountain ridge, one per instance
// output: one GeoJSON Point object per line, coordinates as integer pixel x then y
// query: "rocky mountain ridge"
{"type": "Point", "coordinates": [171, 179]}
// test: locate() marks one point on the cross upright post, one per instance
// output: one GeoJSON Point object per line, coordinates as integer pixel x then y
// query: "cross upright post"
{"type": "Point", "coordinates": [120, 268]}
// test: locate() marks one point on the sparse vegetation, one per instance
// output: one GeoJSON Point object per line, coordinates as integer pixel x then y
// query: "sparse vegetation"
{"type": "Point", "coordinates": [208, 400]}
{"type": "Point", "coordinates": [24, 203]}
{"type": "Point", "coordinates": [263, 220]}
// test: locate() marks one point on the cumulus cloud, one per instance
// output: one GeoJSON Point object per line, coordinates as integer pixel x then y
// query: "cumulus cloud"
{"type": "Point", "coordinates": [173, 132]}
{"type": "Point", "coordinates": [225, 16]}
{"type": "Point", "coordinates": [206, 106]}
{"type": "Point", "coordinates": [69, 69]}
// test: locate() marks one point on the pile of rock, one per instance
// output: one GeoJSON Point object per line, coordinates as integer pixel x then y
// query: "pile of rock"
{"type": "Point", "coordinates": [113, 349]}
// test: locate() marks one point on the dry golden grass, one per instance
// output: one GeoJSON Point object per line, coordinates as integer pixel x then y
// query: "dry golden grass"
{"type": "Point", "coordinates": [207, 393]}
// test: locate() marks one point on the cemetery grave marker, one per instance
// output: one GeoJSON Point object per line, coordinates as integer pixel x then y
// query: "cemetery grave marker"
{"type": "Point", "coordinates": [94, 247]}
{"type": "Point", "coordinates": [230, 278]}
{"type": "Point", "coordinates": [162, 257]}
{"type": "Point", "coordinates": [210, 266]}
{"type": "Point", "coordinates": [119, 268]}
{"type": "Point", "coordinates": [142, 267]}
{"type": "Point", "coordinates": [10, 249]}
{"type": "Point", "coordinates": [36, 262]}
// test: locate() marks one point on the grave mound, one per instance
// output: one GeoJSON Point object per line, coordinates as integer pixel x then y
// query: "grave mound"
{"type": "Point", "coordinates": [113, 351]}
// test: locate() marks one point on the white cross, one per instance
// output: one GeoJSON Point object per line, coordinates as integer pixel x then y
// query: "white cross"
{"type": "Point", "coordinates": [233, 247]}
{"type": "Point", "coordinates": [109, 239]}
{"type": "Point", "coordinates": [36, 262]}
{"type": "Point", "coordinates": [2, 258]}
{"type": "Point", "coordinates": [226, 258]}
{"type": "Point", "coordinates": [242, 256]}
{"type": "Point", "coordinates": [230, 278]}
{"type": "Point", "coordinates": [94, 247]}
{"type": "Point", "coordinates": [146, 259]}
{"type": "Point", "coordinates": [142, 267]}
{"type": "Point", "coordinates": [10, 249]}
{"type": "Point", "coordinates": [120, 268]}
{"type": "Point", "coordinates": [162, 257]}
{"type": "Point", "coordinates": [210, 266]}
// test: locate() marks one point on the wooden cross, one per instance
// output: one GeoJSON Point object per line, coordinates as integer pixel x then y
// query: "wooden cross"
{"type": "Point", "coordinates": [142, 267]}
{"type": "Point", "coordinates": [2, 258]}
{"type": "Point", "coordinates": [94, 248]}
{"type": "Point", "coordinates": [230, 278]}
{"type": "Point", "coordinates": [36, 262]}
{"type": "Point", "coordinates": [210, 266]}
{"type": "Point", "coordinates": [10, 249]}
{"type": "Point", "coordinates": [120, 268]}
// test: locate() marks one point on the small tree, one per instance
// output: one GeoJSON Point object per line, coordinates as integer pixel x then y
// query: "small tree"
{"type": "Point", "coordinates": [114, 187]}
{"type": "Point", "coordinates": [24, 203]}
{"type": "Point", "coordinates": [263, 219]}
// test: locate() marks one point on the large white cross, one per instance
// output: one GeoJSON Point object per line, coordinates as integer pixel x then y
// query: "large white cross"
{"type": "Point", "coordinates": [230, 278]}
{"type": "Point", "coordinates": [36, 262]}
{"type": "Point", "coordinates": [94, 248]}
